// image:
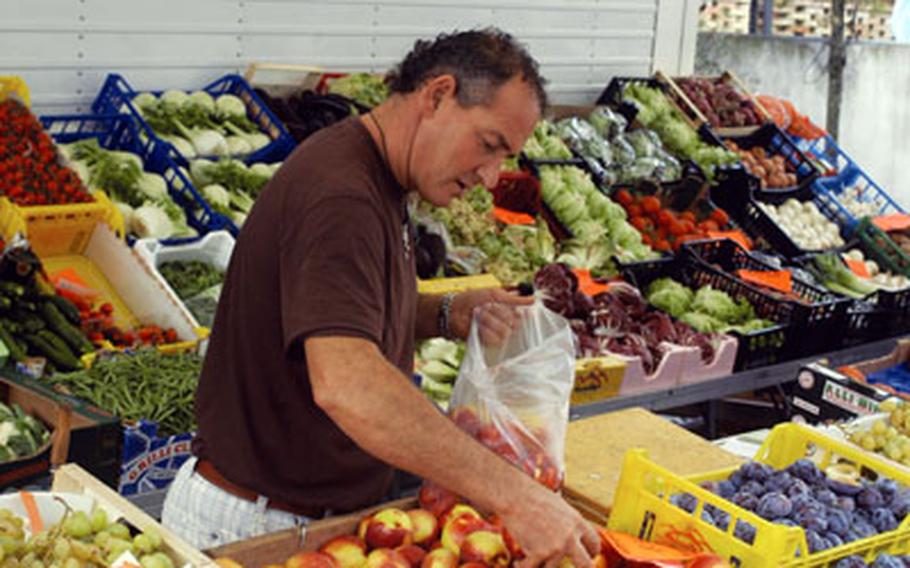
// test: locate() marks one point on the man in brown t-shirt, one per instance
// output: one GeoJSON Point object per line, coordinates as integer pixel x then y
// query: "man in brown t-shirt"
{"type": "Point", "coordinates": [305, 402]}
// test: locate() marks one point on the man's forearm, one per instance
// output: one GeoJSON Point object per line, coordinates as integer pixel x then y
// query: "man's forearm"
{"type": "Point", "coordinates": [428, 316]}
{"type": "Point", "coordinates": [374, 404]}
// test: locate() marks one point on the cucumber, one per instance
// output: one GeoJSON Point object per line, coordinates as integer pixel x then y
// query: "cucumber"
{"type": "Point", "coordinates": [67, 308]}
{"type": "Point", "coordinates": [54, 349]}
{"type": "Point", "coordinates": [16, 351]}
{"type": "Point", "coordinates": [73, 337]}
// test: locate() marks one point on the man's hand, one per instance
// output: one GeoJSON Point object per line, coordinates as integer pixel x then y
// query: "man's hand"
{"type": "Point", "coordinates": [496, 313]}
{"type": "Point", "coordinates": [548, 530]}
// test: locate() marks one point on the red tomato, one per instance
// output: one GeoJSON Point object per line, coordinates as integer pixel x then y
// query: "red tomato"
{"type": "Point", "coordinates": [623, 197]}
{"type": "Point", "coordinates": [650, 204]}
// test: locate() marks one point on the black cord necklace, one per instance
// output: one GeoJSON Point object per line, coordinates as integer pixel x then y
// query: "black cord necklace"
{"type": "Point", "coordinates": [408, 230]}
{"type": "Point", "coordinates": [385, 148]}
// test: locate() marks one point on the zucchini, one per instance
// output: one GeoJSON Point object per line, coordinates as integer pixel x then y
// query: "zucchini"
{"type": "Point", "coordinates": [54, 349]}
{"type": "Point", "coordinates": [16, 351]}
{"type": "Point", "coordinates": [12, 289]}
{"type": "Point", "coordinates": [67, 308]}
{"type": "Point", "coordinates": [73, 337]}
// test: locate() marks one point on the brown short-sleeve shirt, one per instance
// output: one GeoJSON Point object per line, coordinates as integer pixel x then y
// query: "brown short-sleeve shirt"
{"type": "Point", "coordinates": [326, 251]}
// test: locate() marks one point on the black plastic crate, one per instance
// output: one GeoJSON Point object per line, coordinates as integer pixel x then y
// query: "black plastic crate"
{"type": "Point", "coordinates": [818, 323]}
{"type": "Point", "coordinates": [738, 194]}
{"type": "Point", "coordinates": [776, 143]}
{"type": "Point", "coordinates": [756, 349]}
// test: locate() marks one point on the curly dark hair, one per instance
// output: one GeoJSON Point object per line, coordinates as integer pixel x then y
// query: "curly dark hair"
{"type": "Point", "coordinates": [480, 60]}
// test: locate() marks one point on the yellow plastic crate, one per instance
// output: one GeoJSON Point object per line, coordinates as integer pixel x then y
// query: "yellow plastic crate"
{"type": "Point", "coordinates": [457, 284]}
{"type": "Point", "coordinates": [642, 506]}
{"type": "Point", "coordinates": [59, 229]}
{"type": "Point", "coordinates": [13, 85]}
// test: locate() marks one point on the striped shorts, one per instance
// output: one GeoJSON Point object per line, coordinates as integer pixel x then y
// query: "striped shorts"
{"type": "Point", "coordinates": [207, 516]}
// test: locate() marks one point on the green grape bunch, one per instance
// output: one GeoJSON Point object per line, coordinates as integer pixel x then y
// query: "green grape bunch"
{"type": "Point", "coordinates": [80, 540]}
{"type": "Point", "coordinates": [889, 436]}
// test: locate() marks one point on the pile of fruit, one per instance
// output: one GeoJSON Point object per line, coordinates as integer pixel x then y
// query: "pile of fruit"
{"type": "Point", "coordinates": [720, 102]}
{"type": "Point", "coordinates": [79, 540]}
{"type": "Point", "coordinates": [443, 533]}
{"type": "Point", "coordinates": [664, 229]}
{"type": "Point", "coordinates": [30, 172]}
{"type": "Point", "coordinates": [889, 437]}
{"type": "Point", "coordinates": [833, 507]}
{"type": "Point", "coordinates": [772, 171]}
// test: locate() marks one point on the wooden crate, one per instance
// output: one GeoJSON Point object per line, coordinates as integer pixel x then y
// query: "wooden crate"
{"type": "Point", "coordinates": [71, 478]}
{"type": "Point", "coordinates": [697, 118]}
{"type": "Point", "coordinates": [276, 548]}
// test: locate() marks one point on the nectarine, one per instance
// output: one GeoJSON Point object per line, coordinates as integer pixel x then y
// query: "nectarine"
{"type": "Point", "coordinates": [389, 528]}
{"type": "Point", "coordinates": [347, 551]}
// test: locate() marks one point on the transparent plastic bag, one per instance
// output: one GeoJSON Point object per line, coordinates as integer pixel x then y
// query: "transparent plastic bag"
{"type": "Point", "coordinates": [514, 397]}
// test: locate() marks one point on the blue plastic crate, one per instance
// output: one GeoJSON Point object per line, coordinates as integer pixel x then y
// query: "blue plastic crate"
{"type": "Point", "coordinates": [116, 97]}
{"type": "Point", "coordinates": [120, 132]}
{"type": "Point", "coordinates": [832, 190]}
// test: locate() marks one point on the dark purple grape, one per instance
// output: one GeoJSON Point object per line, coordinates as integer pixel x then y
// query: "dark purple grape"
{"type": "Point", "coordinates": [721, 518]}
{"type": "Point", "coordinates": [888, 488]}
{"type": "Point", "coordinates": [726, 489]}
{"type": "Point", "coordinates": [709, 486]}
{"type": "Point", "coordinates": [744, 531]}
{"type": "Point", "coordinates": [708, 518]}
{"type": "Point", "coordinates": [870, 498]}
{"type": "Point", "coordinates": [847, 504]}
{"type": "Point", "coordinates": [805, 501]}
{"type": "Point", "coordinates": [779, 482]}
{"type": "Point", "coordinates": [883, 520]}
{"type": "Point", "coordinates": [753, 487]}
{"type": "Point", "coordinates": [834, 539]}
{"type": "Point", "coordinates": [900, 504]}
{"type": "Point", "coordinates": [786, 522]}
{"type": "Point", "coordinates": [888, 561]}
{"type": "Point", "coordinates": [812, 520]}
{"type": "Point", "coordinates": [798, 487]}
{"type": "Point", "coordinates": [748, 501]}
{"type": "Point", "coordinates": [806, 470]}
{"type": "Point", "coordinates": [684, 501]}
{"type": "Point", "coordinates": [737, 478]}
{"type": "Point", "coordinates": [816, 541]}
{"type": "Point", "coordinates": [774, 505]}
{"type": "Point", "coordinates": [756, 471]}
{"type": "Point", "coordinates": [838, 522]}
{"type": "Point", "coordinates": [826, 497]}
{"type": "Point", "coordinates": [862, 527]}
{"type": "Point", "coordinates": [854, 561]}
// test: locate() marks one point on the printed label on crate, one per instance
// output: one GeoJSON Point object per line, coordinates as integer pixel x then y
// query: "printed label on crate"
{"type": "Point", "coordinates": [150, 463]}
{"type": "Point", "coordinates": [893, 222]}
{"type": "Point", "coordinates": [806, 405]}
{"type": "Point", "coordinates": [848, 399]}
{"type": "Point", "coordinates": [507, 217]}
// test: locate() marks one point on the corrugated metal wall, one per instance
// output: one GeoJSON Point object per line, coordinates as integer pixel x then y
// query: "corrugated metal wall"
{"type": "Point", "coordinates": [64, 48]}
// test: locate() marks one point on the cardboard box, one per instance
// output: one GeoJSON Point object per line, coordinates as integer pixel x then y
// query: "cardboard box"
{"type": "Point", "coordinates": [71, 478]}
{"type": "Point", "coordinates": [822, 394]}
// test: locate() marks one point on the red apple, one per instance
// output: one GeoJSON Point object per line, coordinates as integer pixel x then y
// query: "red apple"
{"type": "Point", "coordinates": [473, 565]}
{"type": "Point", "coordinates": [457, 511]}
{"type": "Point", "coordinates": [456, 530]}
{"type": "Point", "coordinates": [412, 553]}
{"type": "Point", "coordinates": [436, 499]}
{"type": "Point", "coordinates": [425, 526]}
{"type": "Point", "coordinates": [386, 558]}
{"type": "Point", "coordinates": [347, 551]}
{"type": "Point", "coordinates": [362, 527]}
{"type": "Point", "coordinates": [487, 547]}
{"type": "Point", "coordinates": [310, 560]}
{"type": "Point", "coordinates": [389, 528]}
{"type": "Point", "coordinates": [440, 558]}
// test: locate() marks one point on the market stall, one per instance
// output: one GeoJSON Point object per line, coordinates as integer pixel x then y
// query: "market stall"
{"type": "Point", "coordinates": [687, 244]}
